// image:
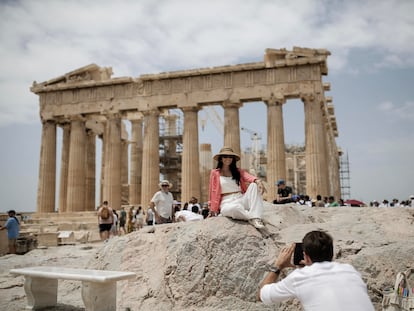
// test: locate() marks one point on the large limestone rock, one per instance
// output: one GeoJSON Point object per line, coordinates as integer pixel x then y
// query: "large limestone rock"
{"type": "Point", "coordinates": [218, 263]}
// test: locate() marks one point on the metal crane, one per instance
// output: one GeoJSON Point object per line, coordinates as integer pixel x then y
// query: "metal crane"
{"type": "Point", "coordinates": [214, 116]}
{"type": "Point", "coordinates": [255, 159]}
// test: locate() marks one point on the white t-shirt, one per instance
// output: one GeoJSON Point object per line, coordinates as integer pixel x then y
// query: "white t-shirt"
{"type": "Point", "coordinates": [163, 202]}
{"type": "Point", "coordinates": [189, 216]}
{"type": "Point", "coordinates": [325, 286]}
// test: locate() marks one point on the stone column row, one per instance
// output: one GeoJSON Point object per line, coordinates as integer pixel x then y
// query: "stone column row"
{"type": "Point", "coordinates": [316, 147]}
{"type": "Point", "coordinates": [77, 171]}
{"type": "Point", "coordinates": [77, 181]}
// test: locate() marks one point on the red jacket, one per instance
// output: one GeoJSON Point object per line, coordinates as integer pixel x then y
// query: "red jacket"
{"type": "Point", "coordinates": [214, 195]}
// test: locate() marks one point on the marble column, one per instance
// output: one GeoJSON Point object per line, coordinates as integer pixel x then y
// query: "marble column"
{"type": "Point", "coordinates": [77, 166]}
{"type": "Point", "coordinates": [90, 204]}
{"type": "Point", "coordinates": [136, 162]}
{"type": "Point", "coordinates": [124, 172]}
{"type": "Point", "coordinates": [64, 165]}
{"type": "Point", "coordinates": [206, 164]}
{"type": "Point", "coordinates": [190, 160]}
{"type": "Point", "coordinates": [316, 170]}
{"type": "Point", "coordinates": [47, 169]}
{"type": "Point", "coordinates": [232, 125]}
{"type": "Point", "coordinates": [150, 157]}
{"type": "Point", "coordinates": [325, 142]}
{"type": "Point", "coordinates": [333, 162]}
{"type": "Point", "coordinates": [276, 154]}
{"type": "Point", "coordinates": [102, 177]}
{"type": "Point", "coordinates": [112, 177]}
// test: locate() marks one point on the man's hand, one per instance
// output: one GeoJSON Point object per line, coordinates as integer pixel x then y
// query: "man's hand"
{"type": "Point", "coordinates": [284, 258]}
{"type": "Point", "coordinates": [282, 261]}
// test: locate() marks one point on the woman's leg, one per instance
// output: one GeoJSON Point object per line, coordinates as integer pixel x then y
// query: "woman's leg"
{"type": "Point", "coordinates": [232, 206]}
{"type": "Point", "coordinates": [253, 201]}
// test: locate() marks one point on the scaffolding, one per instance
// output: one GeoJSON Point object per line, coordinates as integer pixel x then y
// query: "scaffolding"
{"type": "Point", "coordinates": [344, 175]}
{"type": "Point", "coordinates": [171, 147]}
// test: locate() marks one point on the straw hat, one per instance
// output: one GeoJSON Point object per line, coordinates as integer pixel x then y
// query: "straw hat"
{"type": "Point", "coordinates": [165, 182]}
{"type": "Point", "coordinates": [226, 151]}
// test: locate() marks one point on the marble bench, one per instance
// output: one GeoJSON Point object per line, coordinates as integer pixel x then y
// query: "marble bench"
{"type": "Point", "coordinates": [98, 286]}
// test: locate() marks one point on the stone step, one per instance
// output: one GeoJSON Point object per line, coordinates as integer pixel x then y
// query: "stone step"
{"type": "Point", "coordinates": [47, 226]}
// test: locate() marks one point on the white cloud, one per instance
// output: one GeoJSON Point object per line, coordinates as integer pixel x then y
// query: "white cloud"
{"type": "Point", "coordinates": [404, 111]}
{"type": "Point", "coordinates": [386, 106]}
{"type": "Point", "coordinates": [42, 40]}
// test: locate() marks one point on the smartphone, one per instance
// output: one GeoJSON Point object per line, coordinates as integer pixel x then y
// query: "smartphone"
{"type": "Point", "coordinates": [298, 254]}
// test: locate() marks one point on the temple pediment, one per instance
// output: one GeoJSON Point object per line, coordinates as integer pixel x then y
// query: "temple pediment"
{"type": "Point", "coordinates": [87, 73]}
{"type": "Point", "coordinates": [298, 56]}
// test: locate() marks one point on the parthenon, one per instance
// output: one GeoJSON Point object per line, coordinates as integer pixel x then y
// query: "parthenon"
{"type": "Point", "coordinates": [88, 103]}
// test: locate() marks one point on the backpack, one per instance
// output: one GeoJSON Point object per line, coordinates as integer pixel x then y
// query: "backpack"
{"type": "Point", "coordinates": [105, 212]}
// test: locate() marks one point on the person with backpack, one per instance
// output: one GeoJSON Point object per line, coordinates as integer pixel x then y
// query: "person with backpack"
{"type": "Point", "coordinates": [12, 226]}
{"type": "Point", "coordinates": [105, 220]}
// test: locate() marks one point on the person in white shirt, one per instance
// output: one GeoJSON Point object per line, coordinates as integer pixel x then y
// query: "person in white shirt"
{"type": "Point", "coordinates": [186, 215]}
{"type": "Point", "coordinates": [321, 285]}
{"type": "Point", "coordinates": [162, 203]}
{"type": "Point", "coordinates": [194, 202]}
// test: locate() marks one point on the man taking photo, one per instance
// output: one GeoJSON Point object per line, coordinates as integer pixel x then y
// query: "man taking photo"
{"type": "Point", "coordinates": [321, 285]}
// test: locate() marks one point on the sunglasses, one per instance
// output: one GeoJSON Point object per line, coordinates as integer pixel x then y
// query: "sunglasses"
{"type": "Point", "coordinates": [226, 156]}
{"type": "Point", "coordinates": [165, 185]}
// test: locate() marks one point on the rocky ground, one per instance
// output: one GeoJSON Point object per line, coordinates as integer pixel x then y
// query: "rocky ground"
{"type": "Point", "coordinates": [216, 264]}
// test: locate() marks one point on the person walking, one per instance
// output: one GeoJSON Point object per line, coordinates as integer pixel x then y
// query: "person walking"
{"type": "Point", "coordinates": [150, 217]}
{"type": "Point", "coordinates": [122, 220]}
{"type": "Point", "coordinates": [229, 192]}
{"type": "Point", "coordinates": [139, 218]}
{"type": "Point", "coordinates": [105, 220]}
{"type": "Point", "coordinates": [12, 226]}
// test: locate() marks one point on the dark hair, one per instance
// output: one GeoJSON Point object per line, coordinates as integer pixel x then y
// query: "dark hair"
{"type": "Point", "coordinates": [205, 212]}
{"type": "Point", "coordinates": [12, 214]}
{"type": "Point", "coordinates": [318, 245]}
{"type": "Point", "coordinates": [233, 169]}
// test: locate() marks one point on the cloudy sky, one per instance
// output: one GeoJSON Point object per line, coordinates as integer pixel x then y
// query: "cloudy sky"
{"type": "Point", "coordinates": [371, 71]}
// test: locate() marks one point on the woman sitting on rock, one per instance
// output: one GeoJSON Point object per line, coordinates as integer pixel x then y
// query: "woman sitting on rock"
{"type": "Point", "coordinates": [229, 192]}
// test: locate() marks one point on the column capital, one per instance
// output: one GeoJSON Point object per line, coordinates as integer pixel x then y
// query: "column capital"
{"type": "Point", "coordinates": [64, 125]}
{"type": "Point", "coordinates": [307, 97]}
{"type": "Point", "coordinates": [190, 109]}
{"type": "Point", "coordinates": [113, 115]}
{"type": "Point", "coordinates": [76, 117]}
{"type": "Point", "coordinates": [152, 112]}
{"type": "Point", "coordinates": [274, 100]}
{"type": "Point", "coordinates": [232, 104]}
{"type": "Point", "coordinates": [50, 121]}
